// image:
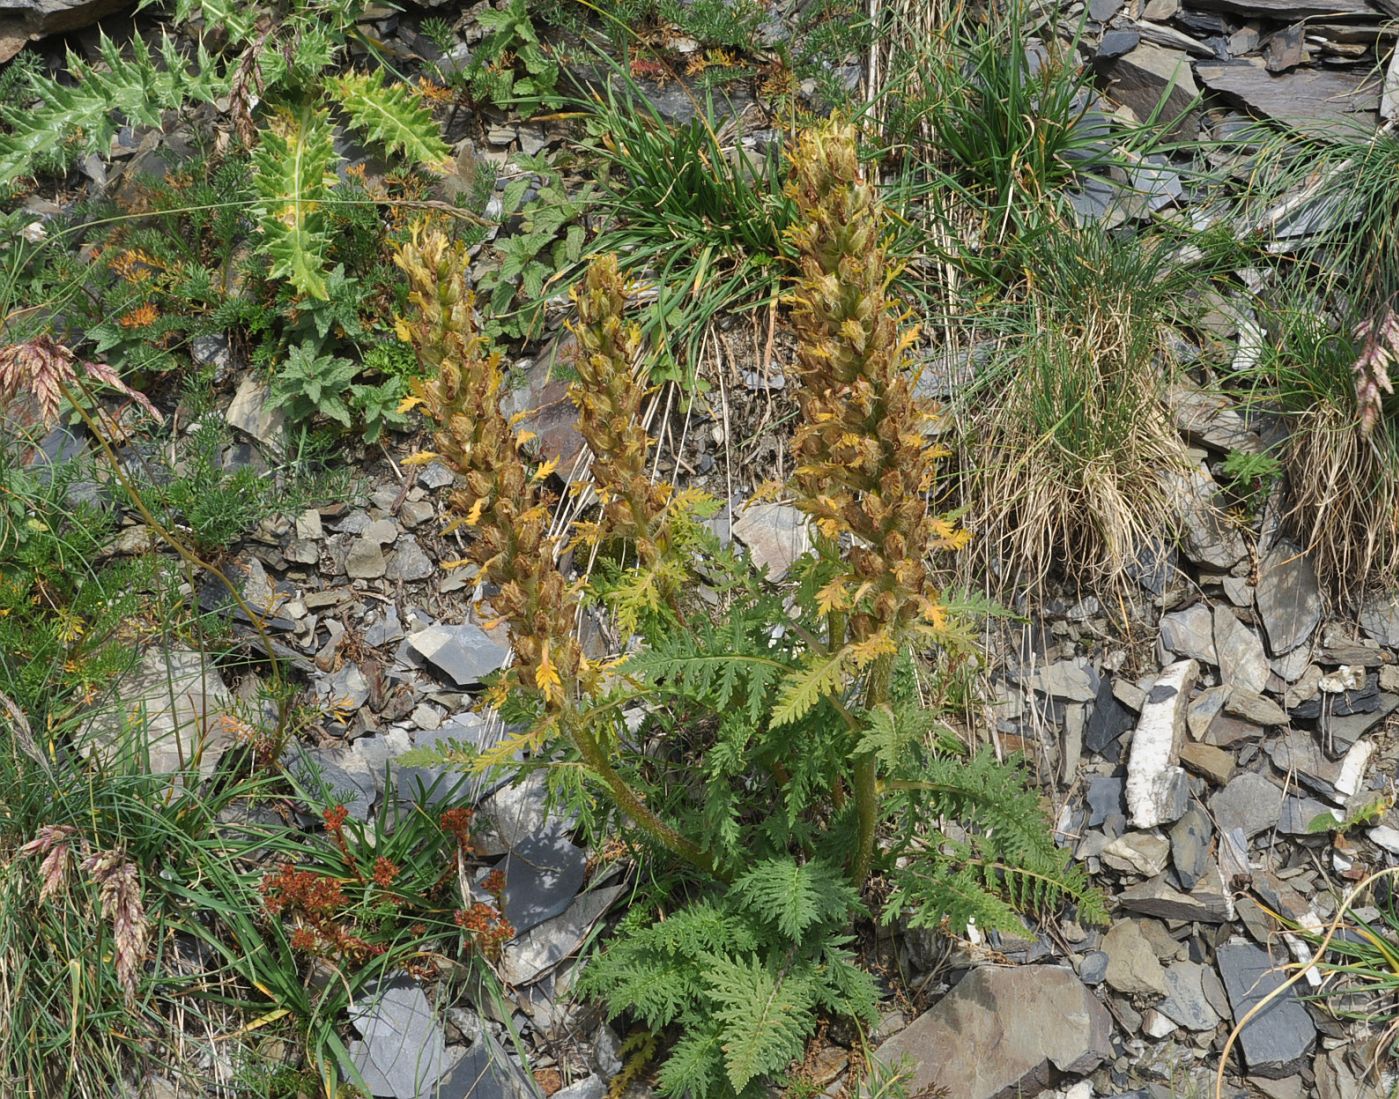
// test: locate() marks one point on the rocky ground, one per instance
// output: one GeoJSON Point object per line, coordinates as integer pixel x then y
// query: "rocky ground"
{"type": "Point", "coordinates": [1219, 747]}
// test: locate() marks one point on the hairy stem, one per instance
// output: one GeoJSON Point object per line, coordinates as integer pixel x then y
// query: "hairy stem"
{"type": "Point", "coordinates": [866, 779]}
{"type": "Point", "coordinates": [631, 803]}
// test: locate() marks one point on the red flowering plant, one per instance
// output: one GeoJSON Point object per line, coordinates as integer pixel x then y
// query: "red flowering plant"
{"type": "Point", "coordinates": [389, 888]}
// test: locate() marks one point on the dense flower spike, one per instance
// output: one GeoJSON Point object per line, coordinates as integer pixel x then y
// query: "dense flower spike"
{"type": "Point", "coordinates": [44, 367]}
{"type": "Point", "coordinates": [864, 463]}
{"type": "Point", "coordinates": [500, 500]}
{"type": "Point", "coordinates": [608, 398]}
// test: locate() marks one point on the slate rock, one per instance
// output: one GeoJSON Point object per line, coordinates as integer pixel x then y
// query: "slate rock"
{"type": "Point", "coordinates": [1343, 732]}
{"type": "Point", "coordinates": [1254, 708]}
{"type": "Point", "coordinates": [1249, 802]}
{"type": "Point", "coordinates": [402, 1051]}
{"type": "Point", "coordinates": [775, 534]}
{"type": "Point", "coordinates": [1143, 77]}
{"type": "Point", "coordinates": [1133, 968]}
{"type": "Point", "coordinates": [464, 653]}
{"type": "Point", "coordinates": [1213, 763]}
{"type": "Point", "coordinates": [516, 813]}
{"type": "Point", "coordinates": [486, 1071]}
{"type": "Point", "coordinates": [1313, 100]}
{"type": "Point", "coordinates": [409, 562]}
{"type": "Point", "coordinates": [1300, 815]}
{"type": "Point", "coordinates": [527, 956]}
{"type": "Point", "coordinates": [1108, 718]}
{"type": "Point", "coordinates": [440, 784]}
{"type": "Point", "coordinates": [1207, 902]}
{"type": "Point", "coordinates": [1093, 969]}
{"type": "Point", "coordinates": [1065, 680]}
{"type": "Point", "coordinates": [1379, 617]}
{"type": "Point", "coordinates": [1190, 845]}
{"type": "Point", "coordinates": [169, 708]}
{"type": "Point", "coordinates": [542, 876]}
{"type": "Point", "coordinates": [250, 414]}
{"type": "Point", "coordinates": [1242, 660]}
{"type": "Point", "coordinates": [365, 561]}
{"type": "Point", "coordinates": [1190, 633]}
{"type": "Point", "coordinates": [1143, 853]}
{"type": "Point", "coordinates": [1287, 10]}
{"type": "Point", "coordinates": [1275, 1041]}
{"type": "Point", "coordinates": [1206, 536]}
{"type": "Point", "coordinates": [1117, 42]}
{"type": "Point", "coordinates": [1104, 797]}
{"type": "Point", "coordinates": [1000, 1033]}
{"type": "Point", "coordinates": [333, 778]}
{"type": "Point", "coordinates": [1186, 1002]}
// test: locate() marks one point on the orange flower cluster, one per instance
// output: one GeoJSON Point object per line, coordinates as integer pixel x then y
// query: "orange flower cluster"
{"type": "Point", "coordinates": [487, 929]}
{"type": "Point", "coordinates": [864, 463]}
{"type": "Point", "coordinates": [501, 501]}
{"type": "Point", "coordinates": [316, 901]}
{"type": "Point", "coordinates": [608, 398]}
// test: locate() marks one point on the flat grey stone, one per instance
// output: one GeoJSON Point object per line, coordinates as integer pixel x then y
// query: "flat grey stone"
{"type": "Point", "coordinates": [1093, 969]}
{"type": "Point", "coordinates": [516, 813]}
{"type": "Point", "coordinates": [1288, 598]}
{"type": "Point", "coordinates": [1001, 1032]}
{"type": "Point", "coordinates": [1190, 845]}
{"type": "Point", "coordinates": [1249, 802]}
{"type": "Point", "coordinates": [1254, 707]}
{"type": "Point", "coordinates": [1108, 718]}
{"type": "Point", "coordinates": [486, 1071]}
{"type": "Point", "coordinates": [1206, 536]}
{"type": "Point", "coordinates": [345, 691]}
{"type": "Point", "coordinates": [1276, 1040]}
{"type": "Point", "coordinates": [365, 561]}
{"type": "Point", "coordinates": [332, 777]}
{"type": "Point", "coordinates": [1065, 680]}
{"type": "Point", "coordinates": [1379, 617]}
{"type": "Point", "coordinates": [409, 562]}
{"type": "Point", "coordinates": [1306, 817]}
{"type": "Point", "coordinates": [464, 653]}
{"type": "Point", "coordinates": [526, 956]}
{"type": "Point", "coordinates": [249, 413]}
{"type": "Point", "coordinates": [542, 876]}
{"type": "Point", "coordinates": [1242, 660]}
{"type": "Point", "coordinates": [441, 784]}
{"type": "Point", "coordinates": [168, 708]}
{"type": "Point", "coordinates": [1133, 968]}
{"type": "Point", "coordinates": [1104, 797]}
{"type": "Point", "coordinates": [402, 1051]}
{"type": "Point", "coordinates": [775, 534]}
{"type": "Point", "coordinates": [1144, 77]}
{"type": "Point", "coordinates": [1312, 100]}
{"type": "Point", "coordinates": [1186, 1002]}
{"type": "Point", "coordinates": [1207, 902]}
{"type": "Point", "coordinates": [1190, 633]}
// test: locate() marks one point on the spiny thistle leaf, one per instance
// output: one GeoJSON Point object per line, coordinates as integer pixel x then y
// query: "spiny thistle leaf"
{"type": "Point", "coordinates": [391, 116]}
{"type": "Point", "coordinates": [135, 89]}
{"type": "Point", "coordinates": [293, 176]}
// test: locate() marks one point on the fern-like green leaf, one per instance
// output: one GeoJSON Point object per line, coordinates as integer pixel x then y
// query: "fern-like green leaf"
{"type": "Point", "coordinates": [822, 674]}
{"type": "Point", "coordinates": [764, 1018]}
{"type": "Point", "coordinates": [293, 176]}
{"type": "Point", "coordinates": [391, 116]}
{"type": "Point", "coordinates": [85, 115]}
{"type": "Point", "coordinates": [695, 1066]}
{"type": "Point", "coordinates": [794, 896]}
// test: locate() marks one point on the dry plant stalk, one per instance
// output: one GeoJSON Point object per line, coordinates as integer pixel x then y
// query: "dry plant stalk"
{"type": "Point", "coordinates": [608, 397]}
{"type": "Point", "coordinates": [864, 463]}
{"type": "Point", "coordinates": [506, 507]}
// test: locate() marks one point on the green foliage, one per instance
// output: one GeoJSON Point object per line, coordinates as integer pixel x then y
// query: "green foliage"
{"type": "Point", "coordinates": [1250, 476]}
{"type": "Point", "coordinates": [314, 384]}
{"type": "Point", "coordinates": [292, 170]}
{"type": "Point", "coordinates": [513, 67]}
{"type": "Point", "coordinates": [70, 119]}
{"type": "Point", "coordinates": [742, 976]}
{"type": "Point", "coordinates": [391, 117]}
{"type": "Point", "coordinates": [514, 283]}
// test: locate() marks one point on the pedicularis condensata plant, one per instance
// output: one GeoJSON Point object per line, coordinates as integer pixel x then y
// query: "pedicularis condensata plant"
{"type": "Point", "coordinates": [781, 732]}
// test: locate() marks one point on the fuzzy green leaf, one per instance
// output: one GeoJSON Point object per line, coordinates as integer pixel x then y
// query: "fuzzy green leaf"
{"type": "Point", "coordinates": [392, 116]}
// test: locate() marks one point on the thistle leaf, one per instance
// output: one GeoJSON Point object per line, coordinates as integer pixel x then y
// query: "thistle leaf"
{"type": "Point", "coordinates": [293, 178]}
{"type": "Point", "coordinates": [391, 116]}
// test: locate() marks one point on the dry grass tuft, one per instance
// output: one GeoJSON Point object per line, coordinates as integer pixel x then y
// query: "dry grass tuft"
{"type": "Point", "coordinates": [1067, 434]}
